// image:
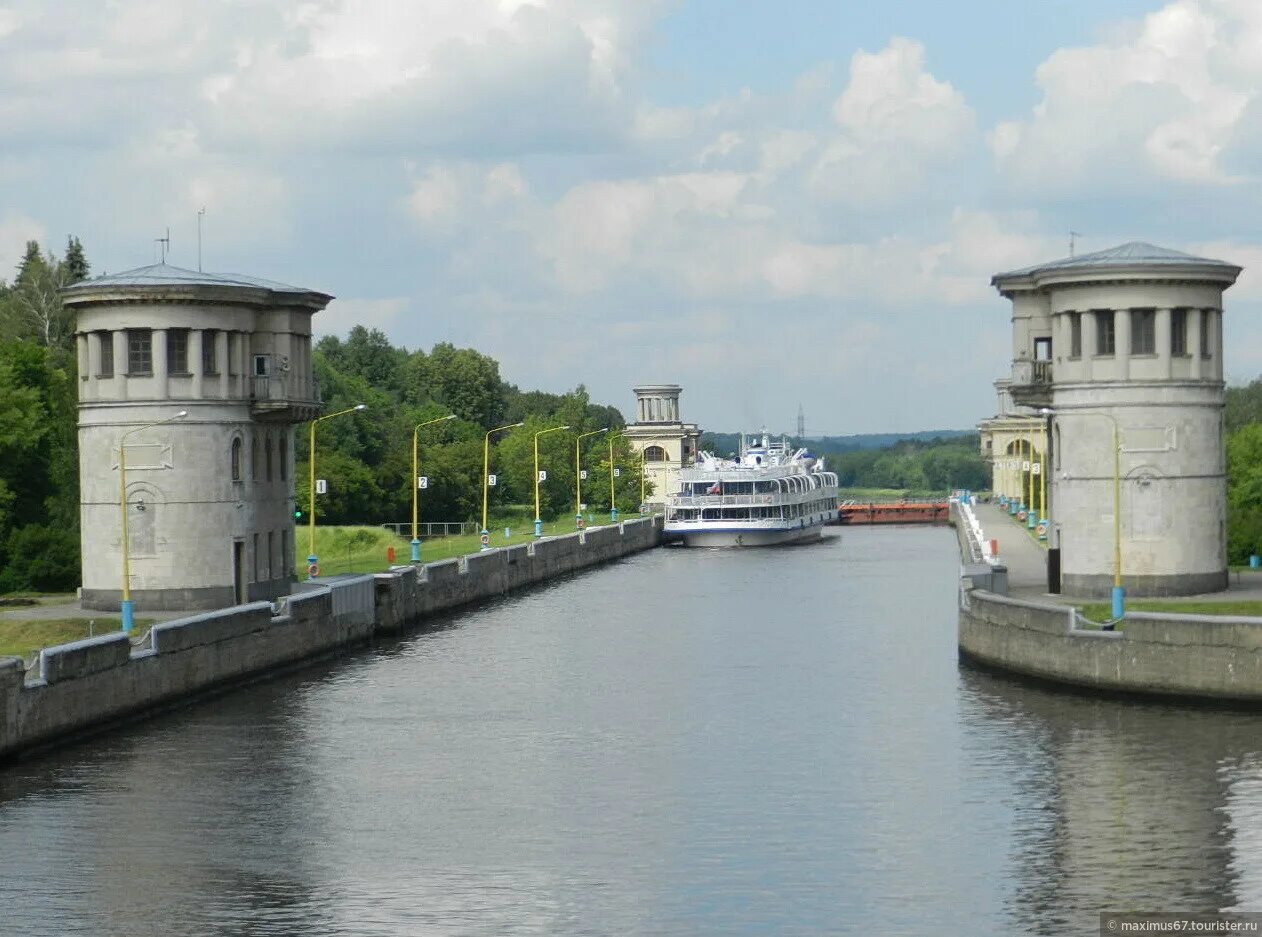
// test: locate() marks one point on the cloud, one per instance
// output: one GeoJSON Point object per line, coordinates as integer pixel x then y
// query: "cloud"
{"type": "Point", "coordinates": [1161, 101]}
{"type": "Point", "coordinates": [897, 122]}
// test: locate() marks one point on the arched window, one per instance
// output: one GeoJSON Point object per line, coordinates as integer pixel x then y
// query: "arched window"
{"type": "Point", "coordinates": [236, 459]}
{"type": "Point", "coordinates": [654, 454]}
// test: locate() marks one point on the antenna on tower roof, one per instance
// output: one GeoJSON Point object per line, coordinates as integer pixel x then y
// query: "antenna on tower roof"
{"type": "Point", "coordinates": [200, 212]}
{"type": "Point", "coordinates": [801, 424]}
{"type": "Point", "coordinates": [166, 244]}
{"type": "Point", "coordinates": [1073, 235]}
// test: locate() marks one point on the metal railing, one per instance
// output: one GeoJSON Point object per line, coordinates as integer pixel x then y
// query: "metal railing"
{"type": "Point", "coordinates": [432, 530]}
{"type": "Point", "coordinates": [1025, 372]}
{"type": "Point", "coordinates": [266, 388]}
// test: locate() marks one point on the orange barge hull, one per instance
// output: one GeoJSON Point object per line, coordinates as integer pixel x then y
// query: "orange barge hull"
{"type": "Point", "coordinates": [905, 512]}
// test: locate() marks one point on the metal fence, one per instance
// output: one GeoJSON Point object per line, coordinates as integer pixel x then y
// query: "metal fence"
{"type": "Point", "coordinates": [432, 530]}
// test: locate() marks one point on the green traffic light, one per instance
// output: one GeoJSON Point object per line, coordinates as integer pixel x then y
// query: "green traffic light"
{"type": "Point", "coordinates": [297, 515]}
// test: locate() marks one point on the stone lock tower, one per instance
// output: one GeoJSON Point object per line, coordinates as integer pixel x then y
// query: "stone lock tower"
{"type": "Point", "coordinates": [1128, 341]}
{"type": "Point", "coordinates": [210, 495]}
{"type": "Point", "coordinates": [667, 443]}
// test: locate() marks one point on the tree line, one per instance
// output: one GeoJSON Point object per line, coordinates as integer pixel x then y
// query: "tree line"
{"type": "Point", "coordinates": [930, 466]}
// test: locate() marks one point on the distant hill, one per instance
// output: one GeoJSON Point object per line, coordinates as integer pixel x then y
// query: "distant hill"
{"type": "Point", "coordinates": [725, 443]}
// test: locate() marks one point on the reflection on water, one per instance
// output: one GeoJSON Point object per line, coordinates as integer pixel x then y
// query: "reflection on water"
{"type": "Point", "coordinates": [687, 742]}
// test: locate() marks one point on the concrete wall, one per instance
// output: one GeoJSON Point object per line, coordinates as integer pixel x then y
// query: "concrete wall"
{"type": "Point", "coordinates": [81, 687]}
{"type": "Point", "coordinates": [1200, 656]}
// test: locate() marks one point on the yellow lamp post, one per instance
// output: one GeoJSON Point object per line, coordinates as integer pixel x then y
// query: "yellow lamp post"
{"type": "Point", "coordinates": [578, 475]}
{"type": "Point", "coordinates": [613, 498]}
{"type": "Point", "coordinates": [1030, 519]}
{"type": "Point", "coordinates": [313, 561]}
{"type": "Point", "coordinates": [486, 478]}
{"type": "Point", "coordinates": [1118, 594]}
{"type": "Point", "coordinates": [539, 478]}
{"type": "Point", "coordinates": [125, 605]}
{"type": "Point", "coordinates": [416, 483]}
{"type": "Point", "coordinates": [642, 480]}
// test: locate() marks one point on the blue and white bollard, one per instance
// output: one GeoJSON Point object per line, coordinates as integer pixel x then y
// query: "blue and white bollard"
{"type": "Point", "coordinates": [485, 537]}
{"type": "Point", "coordinates": [1119, 602]}
{"type": "Point", "coordinates": [538, 527]}
{"type": "Point", "coordinates": [613, 515]}
{"type": "Point", "coordinates": [1255, 562]}
{"type": "Point", "coordinates": [126, 609]}
{"type": "Point", "coordinates": [416, 550]}
{"type": "Point", "coordinates": [313, 567]}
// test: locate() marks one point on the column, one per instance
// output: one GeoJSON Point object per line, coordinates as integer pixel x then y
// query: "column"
{"type": "Point", "coordinates": [243, 358]}
{"type": "Point", "coordinates": [196, 338]}
{"type": "Point", "coordinates": [221, 361]}
{"type": "Point", "coordinates": [119, 337]}
{"type": "Point", "coordinates": [161, 369]}
{"type": "Point", "coordinates": [94, 361]}
{"type": "Point", "coordinates": [85, 370]}
{"type": "Point", "coordinates": [1164, 358]}
{"type": "Point", "coordinates": [1194, 341]}
{"type": "Point", "coordinates": [1122, 342]}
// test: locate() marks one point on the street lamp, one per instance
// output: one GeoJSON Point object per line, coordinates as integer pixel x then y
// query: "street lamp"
{"type": "Point", "coordinates": [416, 483]}
{"type": "Point", "coordinates": [125, 606]}
{"type": "Point", "coordinates": [578, 475]}
{"type": "Point", "coordinates": [613, 501]}
{"type": "Point", "coordinates": [486, 467]}
{"type": "Point", "coordinates": [642, 479]}
{"type": "Point", "coordinates": [538, 519]}
{"type": "Point", "coordinates": [1119, 594]}
{"type": "Point", "coordinates": [313, 561]}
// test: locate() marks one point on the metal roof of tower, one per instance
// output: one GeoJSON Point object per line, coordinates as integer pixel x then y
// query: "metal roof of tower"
{"type": "Point", "coordinates": [167, 275]}
{"type": "Point", "coordinates": [1130, 254]}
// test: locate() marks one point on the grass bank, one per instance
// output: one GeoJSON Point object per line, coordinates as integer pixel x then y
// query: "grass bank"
{"type": "Point", "coordinates": [365, 549]}
{"type": "Point", "coordinates": [25, 637]}
{"type": "Point", "coordinates": [1101, 611]}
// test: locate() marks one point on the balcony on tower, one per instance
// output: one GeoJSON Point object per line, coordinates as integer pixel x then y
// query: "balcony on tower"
{"type": "Point", "coordinates": [1031, 384]}
{"type": "Point", "coordinates": [285, 398]}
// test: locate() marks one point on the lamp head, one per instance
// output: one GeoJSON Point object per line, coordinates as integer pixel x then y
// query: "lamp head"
{"type": "Point", "coordinates": [450, 417]}
{"type": "Point", "coordinates": [522, 423]}
{"type": "Point", "coordinates": [181, 415]}
{"type": "Point", "coordinates": [361, 406]}
{"type": "Point", "coordinates": [1046, 411]}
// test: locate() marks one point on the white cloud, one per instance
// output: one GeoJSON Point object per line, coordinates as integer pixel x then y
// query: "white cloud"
{"type": "Point", "coordinates": [1162, 101]}
{"type": "Point", "coordinates": [897, 122]}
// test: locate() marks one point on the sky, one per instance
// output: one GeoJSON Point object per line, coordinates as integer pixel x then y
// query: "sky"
{"type": "Point", "coordinates": [773, 205]}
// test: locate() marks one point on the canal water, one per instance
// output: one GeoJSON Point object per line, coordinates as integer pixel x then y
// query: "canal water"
{"type": "Point", "coordinates": [698, 742]}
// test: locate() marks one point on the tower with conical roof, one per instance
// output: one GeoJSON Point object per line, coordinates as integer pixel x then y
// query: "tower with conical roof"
{"type": "Point", "coordinates": [1126, 345]}
{"type": "Point", "coordinates": [209, 496]}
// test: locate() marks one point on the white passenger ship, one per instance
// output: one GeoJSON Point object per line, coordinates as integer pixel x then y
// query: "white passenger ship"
{"type": "Point", "coordinates": [768, 495]}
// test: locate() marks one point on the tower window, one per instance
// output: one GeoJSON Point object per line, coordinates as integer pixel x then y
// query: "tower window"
{"type": "Point", "coordinates": [139, 353]}
{"type": "Point", "coordinates": [1178, 331]}
{"type": "Point", "coordinates": [107, 354]}
{"type": "Point", "coordinates": [177, 351]}
{"type": "Point", "coordinates": [210, 360]}
{"type": "Point", "coordinates": [1075, 335]}
{"type": "Point", "coordinates": [1104, 344]}
{"type": "Point", "coordinates": [654, 454]}
{"type": "Point", "coordinates": [1143, 331]}
{"type": "Point", "coordinates": [1205, 317]}
{"type": "Point", "coordinates": [236, 459]}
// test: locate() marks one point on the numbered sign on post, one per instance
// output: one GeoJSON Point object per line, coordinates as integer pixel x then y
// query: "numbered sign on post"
{"type": "Point", "coordinates": [583, 475]}
{"type": "Point", "coordinates": [422, 481]}
{"type": "Point", "coordinates": [322, 486]}
{"type": "Point", "coordinates": [490, 480]}
{"type": "Point", "coordinates": [543, 475]}
{"type": "Point", "coordinates": [1037, 469]}
{"type": "Point", "coordinates": [1025, 466]}
{"type": "Point", "coordinates": [617, 473]}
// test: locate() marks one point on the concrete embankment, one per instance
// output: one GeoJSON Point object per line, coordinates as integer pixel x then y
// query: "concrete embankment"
{"type": "Point", "coordinates": [1197, 656]}
{"type": "Point", "coordinates": [81, 687]}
